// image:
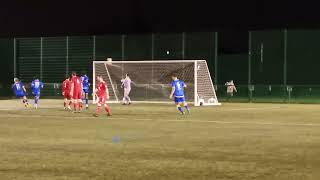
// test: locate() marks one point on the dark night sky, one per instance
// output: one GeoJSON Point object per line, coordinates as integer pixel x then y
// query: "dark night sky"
{"type": "Point", "coordinates": [231, 19]}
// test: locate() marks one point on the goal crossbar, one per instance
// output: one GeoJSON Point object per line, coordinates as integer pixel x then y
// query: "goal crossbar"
{"type": "Point", "coordinates": [152, 79]}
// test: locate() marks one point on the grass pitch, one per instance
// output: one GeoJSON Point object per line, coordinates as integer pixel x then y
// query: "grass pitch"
{"type": "Point", "coordinates": [149, 141]}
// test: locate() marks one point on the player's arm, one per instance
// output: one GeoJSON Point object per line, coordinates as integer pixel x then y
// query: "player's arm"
{"type": "Point", "coordinates": [107, 93]}
{"type": "Point", "coordinates": [234, 88]}
{"type": "Point", "coordinates": [132, 82]}
{"type": "Point", "coordinates": [71, 89]}
{"type": "Point", "coordinates": [24, 89]}
{"type": "Point", "coordinates": [64, 86]}
{"type": "Point", "coordinates": [172, 91]}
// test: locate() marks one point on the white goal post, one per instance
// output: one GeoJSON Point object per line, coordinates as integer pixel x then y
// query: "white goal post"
{"type": "Point", "coordinates": [151, 80]}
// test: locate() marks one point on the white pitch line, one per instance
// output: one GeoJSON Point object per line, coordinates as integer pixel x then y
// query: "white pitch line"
{"type": "Point", "coordinates": [246, 109]}
{"type": "Point", "coordinates": [177, 120]}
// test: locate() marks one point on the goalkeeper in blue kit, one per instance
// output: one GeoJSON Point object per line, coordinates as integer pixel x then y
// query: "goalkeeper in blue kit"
{"type": "Point", "coordinates": [177, 93]}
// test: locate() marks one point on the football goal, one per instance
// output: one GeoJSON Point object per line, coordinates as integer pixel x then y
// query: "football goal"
{"type": "Point", "coordinates": [151, 80]}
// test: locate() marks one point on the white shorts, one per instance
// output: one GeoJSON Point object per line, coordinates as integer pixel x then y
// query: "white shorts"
{"type": "Point", "coordinates": [127, 91]}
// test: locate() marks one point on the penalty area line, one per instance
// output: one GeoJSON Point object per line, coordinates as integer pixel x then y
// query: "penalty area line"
{"type": "Point", "coordinates": [225, 122]}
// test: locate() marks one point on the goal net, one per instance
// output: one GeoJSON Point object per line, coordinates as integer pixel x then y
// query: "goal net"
{"type": "Point", "coordinates": [151, 80]}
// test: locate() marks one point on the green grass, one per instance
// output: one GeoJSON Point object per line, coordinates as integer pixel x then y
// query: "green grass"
{"type": "Point", "coordinates": [229, 142]}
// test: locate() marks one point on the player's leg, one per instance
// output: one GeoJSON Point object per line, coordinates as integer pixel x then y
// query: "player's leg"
{"type": "Point", "coordinates": [228, 96]}
{"type": "Point", "coordinates": [36, 100]}
{"type": "Point", "coordinates": [185, 104]}
{"type": "Point", "coordinates": [86, 95]}
{"type": "Point", "coordinates": [69, 104]}
{"type": "Point", "coordinates": [186, 107]}
{"type": "Point", "coordinates": [178, 102]}
{"type": "Point", "coordinates": [25, 101]}
{"type": "Point", "coordinates": [80, 102]}
{"type": "Point", "coordinates": [180, 108]}
{"type": "Point", "coordinates": [127, 96]}
{"type": "Point", "coordinates": [98, 108]}
{"type": "Point", "coordinates": [75, 104]}
{"type": "Point", "coordinates": [65, 102]}
{"type": "Point", "coordinates": [124, 97]}
{"type": "Point", "coordinates": [107, 108]}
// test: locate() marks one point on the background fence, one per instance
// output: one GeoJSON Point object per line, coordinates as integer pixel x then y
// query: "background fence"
{"type": "Point", "coordinates": [280, 65]}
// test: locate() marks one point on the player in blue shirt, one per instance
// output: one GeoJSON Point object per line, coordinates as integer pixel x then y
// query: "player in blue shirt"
{"type": "Point", "coordinates": [36, 86]}
{"type": "Point", "coordinates": [20, 91]}
{"type": "Point", "coordinates": [178, 93]}
{"type": "Point", "coordinates": [86, 86]}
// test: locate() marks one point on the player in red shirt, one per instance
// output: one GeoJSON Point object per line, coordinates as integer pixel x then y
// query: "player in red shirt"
{"type": "Point", "coordinates": [66, 86]}
{"type": "Point", "coordinates": [76, 92]}
{"type": "Point", "coordinates": [103, 93]}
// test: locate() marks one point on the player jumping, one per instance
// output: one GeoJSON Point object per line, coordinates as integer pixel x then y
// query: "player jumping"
{"type": "Point", "coordinates": [178, 93]}
{"type": "Point", "coordinates": [36, 86]}
{"type": "Point", "coordinates": [86, 85]}
{"type": "Point", "coordinates": [20, 91]}
{"type": "Point", "coordinates": [126, 85]}
{"type": "Point", "coordinates": [103, 93]}
{"type": "Point", "coordinates": [66, 86]}
{"type": "Point", "coordinates": [76, 92]}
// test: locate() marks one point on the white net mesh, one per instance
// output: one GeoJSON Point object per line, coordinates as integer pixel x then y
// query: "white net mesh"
{"type": "Point", "coordinates": [151, 80]}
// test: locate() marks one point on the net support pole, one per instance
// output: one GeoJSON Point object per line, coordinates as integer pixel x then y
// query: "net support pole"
{"type": "Point", "coordinates": [94, 81]}
{"type": "Point", "coordinates": [94, 48]}
{"type": "Point", "coordinates": [122, 46]}
{"type": "Point", "coordinates": [14, 57]}
{"type": "Point", "coordinates": [249, 67]}
{"type": "Point", "coordinates": [183, 45]}
{"type": "Point", "coordinates": [216, 59]}
{"type": "Point", "coordinates": [285, 38]}
{"type": "Point", "coordinates": [41, 57]}
{"type": "Point", "coordinates": [152, 56]}
{"type": "Point", "coordinates": [195, 84]}
{"type": "Point", "coordinates": [122, 50]}
{"type": "Point", "coordinates": [152, 46]}
{"type": "Point", "coordinates": [67, 55]}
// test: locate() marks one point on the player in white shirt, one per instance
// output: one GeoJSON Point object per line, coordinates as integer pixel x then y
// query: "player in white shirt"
{"type": "Point", "coordinates": [231, 88]}
{"type": "Point", "coordinates": [126, 85]}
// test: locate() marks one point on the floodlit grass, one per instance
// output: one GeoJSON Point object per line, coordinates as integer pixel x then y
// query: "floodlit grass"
{"type": "Point", "coordinates": [148, 141]}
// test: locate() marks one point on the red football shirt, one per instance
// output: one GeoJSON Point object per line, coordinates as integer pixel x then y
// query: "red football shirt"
{"type": "Point", "coordinates": [102, 87]}
{"type": "Point", "coordinates": [76, 82]}
{"type": "Point", "coordinates": [66, 86]}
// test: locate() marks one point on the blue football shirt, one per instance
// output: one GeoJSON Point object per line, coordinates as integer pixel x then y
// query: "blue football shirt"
{"type": "Point", "coordinates": [179, 88]}
{"type": "Point", "coordinates": [85, 82]}
{"type": "Point", "coordinates": [36, 86]}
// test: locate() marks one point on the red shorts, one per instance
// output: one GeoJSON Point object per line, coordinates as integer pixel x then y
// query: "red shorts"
{"type": "Point", "coordinates": [67, 95]}
{"type": "Point", "coordinates": [77, 95]}
{"type": "Point", "coordinates": [102, 100]}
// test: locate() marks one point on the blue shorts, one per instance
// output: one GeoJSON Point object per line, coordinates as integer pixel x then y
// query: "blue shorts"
{"type": "Point", "coordinates": [36, 94]}
{"type": "Point", "coordinates": [86, 90]}
{"type": "Point", "coordinates": [179, 99]}
{"type": "Point", "coordinates": [20, 95]}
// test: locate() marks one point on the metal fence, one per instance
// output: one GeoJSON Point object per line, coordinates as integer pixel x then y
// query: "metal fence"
{"type": "Point", "coordinates": [280, 65]}
{"type": "Point", "coordinates": [53, 57]}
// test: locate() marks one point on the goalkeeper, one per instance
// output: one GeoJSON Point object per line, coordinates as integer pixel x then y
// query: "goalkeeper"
{"type": "Point", "coordinates": [126, 85]}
